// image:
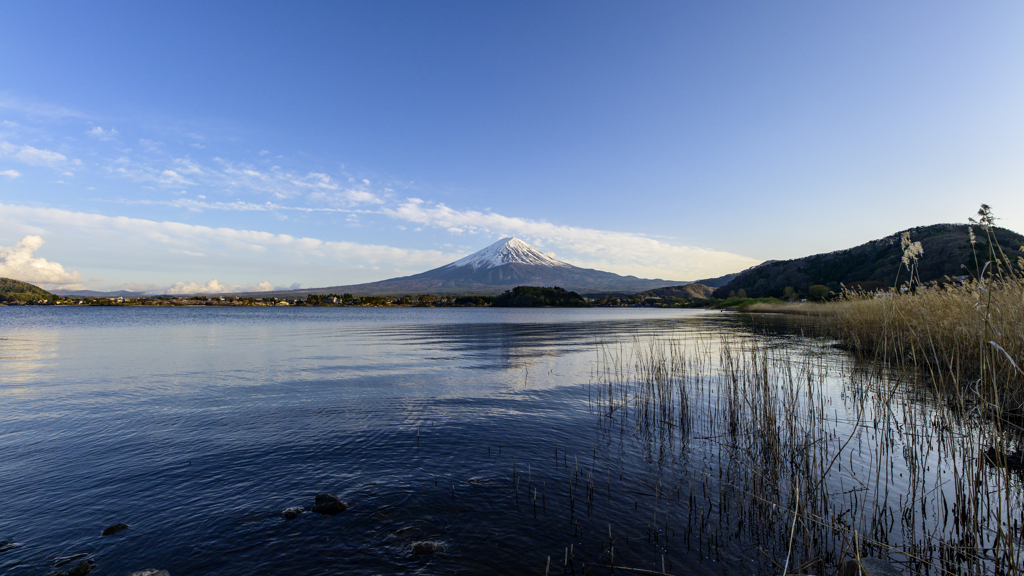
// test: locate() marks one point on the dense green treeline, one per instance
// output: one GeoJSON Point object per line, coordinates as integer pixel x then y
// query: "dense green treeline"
{"type": "Point", "coordinates": [18, 291]}
{"type": "Point", "coordinates": [537, 297]}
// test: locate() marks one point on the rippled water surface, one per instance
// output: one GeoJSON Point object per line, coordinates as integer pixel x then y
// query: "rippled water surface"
{"type": "Point", "coordinates": [198, 426]}
{"type": "Point", "coordinates": [515, 441]}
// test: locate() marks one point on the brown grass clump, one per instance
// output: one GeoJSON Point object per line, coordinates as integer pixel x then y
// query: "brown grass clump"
{"type": "Point", "coordinates": [796, 308]}
{"type": "Point", "coordinates": [968, 334]}
{"type": "Point", "coordinates": [970, 337]}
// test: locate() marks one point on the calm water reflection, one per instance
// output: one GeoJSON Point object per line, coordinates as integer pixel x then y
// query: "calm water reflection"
{"type": "Point", "coordinates": [198, 426]}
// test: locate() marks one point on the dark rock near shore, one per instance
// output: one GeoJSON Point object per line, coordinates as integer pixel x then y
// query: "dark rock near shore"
{"type": "Point", "coordinates": [328, 504]}
{"type": "Point", "coordinates": [150, 572]}
{"type": "Point", "coordinates": [62, 560]}
{"type": "Point", "coordinates": [114, 529]}
{"type": "Point", "coordinates": [869, 567]}
{"type": "Point", "coordinates": [82, 568]}
{"type": "Point", "coordinates": [6, 545]}
{"type": "Point", "coordinates": [292, 512]}
{"type": "Point", "coordinates": [426, 547]}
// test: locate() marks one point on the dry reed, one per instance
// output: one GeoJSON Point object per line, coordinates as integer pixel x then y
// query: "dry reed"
{"type": "Point", "coordinates": [811, 462]}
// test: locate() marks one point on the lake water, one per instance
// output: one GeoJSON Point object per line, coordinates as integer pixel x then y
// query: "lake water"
{"type": "Point", "coordinates": [476, 429]}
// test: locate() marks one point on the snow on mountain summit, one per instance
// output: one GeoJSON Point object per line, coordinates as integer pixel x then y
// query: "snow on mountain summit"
{"type": "Point", "coordinates": [507, 251]}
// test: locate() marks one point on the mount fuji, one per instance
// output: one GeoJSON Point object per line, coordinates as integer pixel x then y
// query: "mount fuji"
{"type": "Point", "coordinates": [507, 263]}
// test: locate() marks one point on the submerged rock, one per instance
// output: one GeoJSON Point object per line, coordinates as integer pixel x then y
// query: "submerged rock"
{"type": "Point", "coordinates": [426, 547]}
{"type": "Point", "coordinates": [328, 504]}
{"type": "Point", "coordinates": [151, 572]}
{"type": "Point", "coordinates": [114, 529]}
{"type": "Point", "coordinates": [6, 545]}
{"type": "Point", "coordinates": [62, 560]}
{"type": "Point", "coordinates": [82, 568]}
{"type": "Point", "coordinates": [869, 567]}
{"type": "Point", "coordinates": [292, 512]}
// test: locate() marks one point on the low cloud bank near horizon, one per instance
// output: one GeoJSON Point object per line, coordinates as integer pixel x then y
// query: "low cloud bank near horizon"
{"type": "Point", "coordinates": [619, 252]}
{"type": "Point", "coordinates": [215, 287]}
{"type": "Point", "coordinates": [133, 253]}
{"type": "Point", "coordinates": [17, 263]}
{"type": "Point", "coordinates": [175, 249]}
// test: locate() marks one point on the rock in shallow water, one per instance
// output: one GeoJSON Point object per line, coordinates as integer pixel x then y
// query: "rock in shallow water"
{"type": "Point", "coordinates": [869, 567]}
{"type": "Point", "coordinates": [6, 545]}
{"type": "Point", "coordinates": [151, 572]}
{"type": "Point", "coordinates": [62, 560]}
{"type": "Point", "coordinates": [82, 568]}
{"type": "Point", "coordinates": [114, 529]}
{"type": "Point", "coordinates": [290, 513]}
{"type": "Point", "coordinates": [426, 547]}
{"type": "Point", "coordinates": [328, 504]}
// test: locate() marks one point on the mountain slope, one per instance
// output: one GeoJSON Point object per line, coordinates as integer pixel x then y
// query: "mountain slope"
{"type": "Point", "coordinates": [947, 252]}
{"type": "Point", "coordinates": [694, 291]}
{"type": "Point", "coordinates": [11, 290]}
{"type": "Point", "coordinates": [507, 263]}
{"type": "Point", "coordinates": [717, 282]}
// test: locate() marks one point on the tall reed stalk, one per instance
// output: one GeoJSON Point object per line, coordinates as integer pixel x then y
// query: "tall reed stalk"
{"type": "Point", "coordinates": [812, 461]}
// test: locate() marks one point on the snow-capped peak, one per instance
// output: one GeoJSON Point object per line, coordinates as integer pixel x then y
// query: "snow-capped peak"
{"type": "Point", "coordinates": [507, 251]}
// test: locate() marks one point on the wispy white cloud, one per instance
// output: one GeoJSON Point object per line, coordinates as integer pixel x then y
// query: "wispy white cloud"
{"type": "Point", "coordinates": [188, 166]}
{"type": "Point", "coordinates": [151, 145]}
{"type": "Point", "coordinates": [36, 156]}
{"type": "Point", "coordinates": [172, 178]}
{"type": "Point", "coordinates": [144, 172]}
{"type": "Point", "coordinates": [215, 287]}
{"type": "Point", "coordinates": [17, 262]}
{"type": "Point", "coordinates": [145, 235]}
{"type": "Point", "coordinates": [236, 206]}
{"type": "Point", "coordinates": [36, 109]}
{"type": "Point", "coordinates": [350, 197]}
{"type": "Point", "coordinates": [314, 187]}
{"type": "Point", "coordinates": [622, 252]}
{"type": "Point", "coordinates": [259, 186]}
{"type": "Point", "coordinates": [99, 133]}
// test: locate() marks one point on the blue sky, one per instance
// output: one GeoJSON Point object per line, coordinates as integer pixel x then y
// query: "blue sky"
{"type": "Point", "coordinates": [185, 146]}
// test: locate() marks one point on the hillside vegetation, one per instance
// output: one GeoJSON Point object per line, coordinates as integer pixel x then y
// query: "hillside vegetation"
{"type": "Point", "coordinates": [536, 297]}
{"type": "Point", "coordinates": [947, 252]}
{"type": "Point", "coordinates": [17, 291]}
{"type": "Point", "coordinates": [694, 291]}
{"type": "Point", "coordinates": [967, 335]}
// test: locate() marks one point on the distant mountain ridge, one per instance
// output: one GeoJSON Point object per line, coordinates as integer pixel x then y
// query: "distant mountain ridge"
{"type": "Point", "coordinates": [507, 263]}
{"type": "Point", "coordinates": [100, 293]}
{"type": "Point", "coordinates": [875, 264]}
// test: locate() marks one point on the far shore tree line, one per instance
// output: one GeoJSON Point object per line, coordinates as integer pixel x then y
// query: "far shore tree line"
{"type": "Point", "coordinates": [521, 296]}
{"type": "Point", "coordinates": [951, 256]}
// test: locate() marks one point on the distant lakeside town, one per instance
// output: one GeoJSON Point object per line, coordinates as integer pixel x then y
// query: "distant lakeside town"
{"type": "Point", "coordinates": [348, 300]}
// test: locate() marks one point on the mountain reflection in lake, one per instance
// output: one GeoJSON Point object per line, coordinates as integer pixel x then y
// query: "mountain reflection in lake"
{"type": "Point", "coordinates": [517, 441]}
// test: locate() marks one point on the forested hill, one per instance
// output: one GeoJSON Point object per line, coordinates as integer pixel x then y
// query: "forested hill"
{"type": "Point", "coordinates": [947, 249]}
{"type": "Point", "coordinates": [17, 290]}
{"type": "Point", "coordinates": [538, 297]}
{"type": "Point", "coordinates": [692, 291]}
